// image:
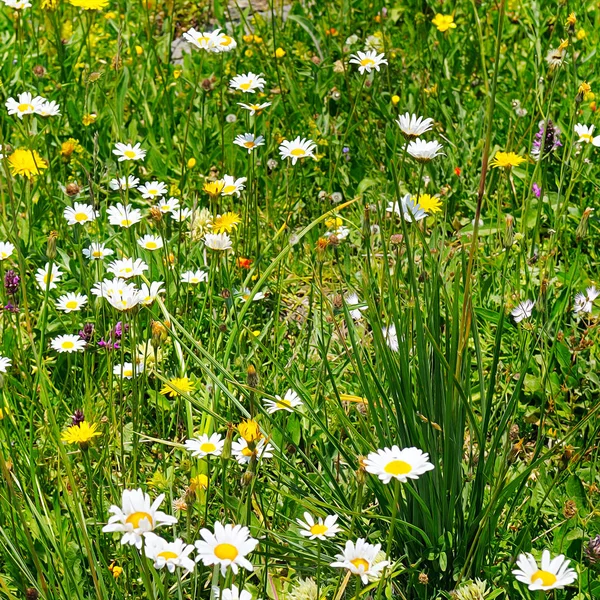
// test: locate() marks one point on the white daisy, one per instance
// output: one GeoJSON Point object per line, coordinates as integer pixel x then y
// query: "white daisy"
{"type": "Point", "coordinates": [80, 214]}
{"type": "Point", "coordinates": [194, 277]}
{"type": "Point", "coordinates": [167, 206]}
{"type": "Point", "coordinates": [117, 285]}
{"type": "Point", "coordinates": [6, 250]}
{"type": "Point", "coordinates": [424, 151]}
{"type": "Point", "coordinates": [136, 517]}
{"type": "Point", "coordinates": [408, 208]}
{"type": "Point", "coordinates": [123, 183]}
{"type": "Point", "coordinates": [289, 402]}
{"type": "Point", "coordinates": [368, 60]}
{"type": "Point", "coordinates": [218, 241]}
{"type": "Point", "coordinates": [228, 546]}
{"type": "Point", "coordinates": [248, 83]}
{"type": "Point", "coordinates": [128, 298]}
{"type": "Point", "coordinates": [319, 529]}
{"type": "Point", "coordinates": [204, 445]}
{"type": "Point", "coordinates": [222, 42]}
{"type": "Point", "coordinates": [152, 190]}
{"type": "Point", "coordinates": [25, 104]}
{"type": "Point", "coordinates": [586, 134]}
{"type": "Point", "coordinates": [97, 251]}
{"type": "Point", "coordinates": [43, 276]}
{"type": "Point", "coordinates": [247, 292]}
{"type": "Point", "coordinates": [522, 311]}
{"type": "Point", "coordinates": [168, 554]}
{"type": "Point", "coordinates": [413, 126]}
{"type": "Point", "coordinates": [232, 593]}
{"type": "Point", "coordinates": [231, 185]}
{"type": "Point", "coordinates": [129, 152]}
{"type": "Point", "coordinates": [127, 267]}
{"type": "Point", "coordinates": [49, 108]}
{"type": "Point", "coordinates": [298, 148]}
{"type": "Point", "coordinates": [394, 463]}
{"type": "Point", "coordinates": [361, 559]}
{"type": "Point", "coordinates": [123, 216]}
{"type": "Point", "coordinates": [150, 242]}
{"type": "Point", "coordinates": [552, 574]}
{"type": "Point", "coordinates": [181, 214]}
{"type": "Point", "coordinates": [249, 141]}
{"type": "Point", "coordinates": [149, 294]}
{"type": "Point", "coordinates": [4, 363]}
{"type": "Point", "coordinates": [127, 370]}
{"type": "Point", "coordinates": [243, 454]}
{"type": "Point", "coordinates": [71, 302]}
{"type": "Point", "coordinates": [254, 108]}
{"type": "Point", "coordinates": [17, 4]}
{"type": "Point", "coordinates": [391, 337]}
{"type": "Point", "coordinates": [203, 40]}
{"type": "Point", "coordinates": [67, 343]}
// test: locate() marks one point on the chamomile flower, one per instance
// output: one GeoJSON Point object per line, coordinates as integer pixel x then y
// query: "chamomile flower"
{"type": "Point", "coordinates": [298, 148]}
{"type": "Point", "coordinates": [319, 529]}
{"type": "Point", "coordinates": [117, 285]}
{"type": "Point", "coordinates": [194, 277]}
{"type": "Point", "coordinates": [149, 294]}
{"type": "Point", "coordinates": [49, 108]}
{"type": "Point", "coordinates": [289, 402]}
{"type": "Point", "coordinates": [243, 453]}
{"type": "Point", "coordinates": [17, 4]}
{"type": "Point", "coordinates": [4, 363]}
{"type": "Point", "coordinates": [249, 141]}
{"type": "Point", "coordinates": [25, 104]}
{"type": "Point", "coordinates": [127, 152]}
{"type": "Point", "coordinates": [522, 311]}
{"type": "Point", "coordinates": [71, 302]}
{"type": "Point", "coordinates": [168, 206]}
{"type": "Point", "coordinates": [204, 445]}
{"type": "Point", "coordinates": [423, 151]}
{"type": "Point", "coordinates": [123, 216]}
{"type": "Point", "coordinates": [232, 593]}
{"type": "Point", "coordinates": [361, 559]}
{"type": "Point", "coordinates": [552, 574]}
{"type": "Point", "coordinates": [394, 463]}
{"type": "Point", "coordinates": [203, 40]}
{"type": "Point", "coordinates": [154, 189]}
{"type": "Point", "coordinates": [68, 343]}
{"type": "Point", "coordinates": [408, 208]}
{"type": "Point", "coordinates": [368, 60]}
{"type": "Point", "coordinates": [48, 277]}
{"type": "Point", "coordinates": [150, 242]}
{"type": "Point", "coordinates": [227, 547]}
{"type": "Point", "coordinates": [127, 370]}
{"type": "Point", "coordinates": [413, 126]}
{"type": "Point", "coordinates": [218, 241]}
{"type": "Point", "coordinates": [137, 516]}
{"type": "Point", "coordinates": [181, 214]}
{"type": "Point", "coordinates": [168, 554]}
{"type": "Point", "coordinates": [221, 42]}
{"type": "Point", "coordinates": [254, 109]}
{"type": "Point", "coordinates": [125, 299]}
{"type": "Point", "coordinates": [127, 267]}
{"type": "Point", "coordinates": [80, 214]}
{"type": "Point", "coordinates": [246, 293]}
{"type": "Point", "coordinates": [123, 183]}
{"type": "Point", "coordinates": [97, 251]}
{"type": "Point", "coordinates": [248, 83]}
{"type": "Point", "coordinates": [231, 185]}
{"type": "Point", "coordinates": [586, 134]}
{"type": "Point", "coordinates": [6, 250]}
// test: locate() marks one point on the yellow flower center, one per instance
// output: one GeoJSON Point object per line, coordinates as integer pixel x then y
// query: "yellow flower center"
{"type": "Point", "coordinates": [298, 152]}
{"type": "Point", "coordinates": [228, 189]}
{"type": "Point", "coordinates": [283, 402]}
{"type": "Point", "coordinates": [136, 518]}
{"type": "Point", "coordinates": [226, 40]}
{"type": "Point", "coordinates": [153, 192]}
{"type": "Point", "coordinates": [255, 106]}
{"type": "Point", "coordinates": [81, 216]}
{"type": "Point", "coordinates": [318, 529]}
{"type": "Point", "coordinates": [125, 222]}
{"type": "Point", "coordinates": [194, 280]}
{"type": "Point", "coordinates": [127, 270]}
{"type": "Point", "coordinates": [246, 452]}
{"type": "Point", "coordinates": [398, 467]}
{"type": "Point", "coordinates": [71, 304]}
{"type": "Point", "coordinates": [24, 107]}
{"type": "Point", "coordinates": [249, 144]}
{"type": "Point", "coordinates": [97, 253]}
{"type": "Point", "coordinates": [587, 137]}
{"type": "Point", "coordinates": [208, 447]}
{"type": "Point", "coordinates": [360, 562]}
{"type": "Point", "coordinates": [545, 577]}
{"type": "Point", "coordinates": [127, 372]}
{"type": "Point", "coordinates": [68, 345]}
{"type": "Point", "coordinates": [46, 278]}
{"type": "Point", "coordinates": [129, 153]}
{"type": "Point", "coordinates": [226, 552]}
{"type": "Point", "coordinates": [367, 62]}
{"type": "Point", "coordinates": [151, 245]}
{"type": "Point", "coordinates": [246, 86]}
{"type": "Point", "coordinates": [167, 555]}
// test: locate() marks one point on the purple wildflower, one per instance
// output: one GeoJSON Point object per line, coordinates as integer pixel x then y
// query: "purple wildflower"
{"type": "Point", "coordinates": [547, 143]}
{"type": "Point", "coordinates": [537, 190]}
{"type": "Point", "coordinates": [77, 418]}
{"type": "Point", "coordinates": [11, 282]}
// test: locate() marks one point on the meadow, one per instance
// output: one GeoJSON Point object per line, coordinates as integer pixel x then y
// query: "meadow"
{"type": "Point", "coordinates": [298, 300]}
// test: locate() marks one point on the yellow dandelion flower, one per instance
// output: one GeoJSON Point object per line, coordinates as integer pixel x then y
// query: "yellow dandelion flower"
{"type": "Point", "coordinates": [444, 22]}
{"type": "Point", "coordinates": [333, 223]}
{"type": "Point", "coordinates": [89, 4]}
{"type": "Point", "coordinates": [27, 163]}
{"type": "Point", "coordinates": [430, 204]}
{"type": "Point", "coordinates": [81, 434]}
{"type": "Point", "coordinates": [89, 119]}
{"type": "Point", "coordinates": [395, 99]}
{"type": "Point", "coordinates": [506, 160]}
{"type": "Point", "coordinates": [279, 53]}
{"type": "Point", "coordinates": [200, 482]}
{"type": "Point", "coordinates": [572, 19]}
{"type": "Point", "coordinates": [250, 431]}
{"type": "Point", "coordinates": [214, 188]}
{"type": "Point", "coordinates": [176, 386]}
{"type": "Point", "coordinates": [226, 223]}
{"type": "Point", "coordinates": [564, 44]}
{"type": "Point", "coordinates": [581, 34]}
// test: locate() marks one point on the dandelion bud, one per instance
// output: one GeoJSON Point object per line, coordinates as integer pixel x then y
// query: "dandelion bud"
{"type": "Point", "coordinates": [156, 214]}
{"type": "Point", "coordinates": [191, 163]}
{"type": "Point", "coordinates": [338, 302]}
{"type": "Point", "coordinates": [39, 71]}
{"type": "Point", "coordinates": [361, 473]}
{"type": "Point", "coordinates": [72, 189]}
{"type": "Point", "coordinates": [509, 232]}
{"type": "Point", "coordinates": [582, 228]}
{"type": "Point", "coordinates": [247, 478]}
{"type": "Point", "coordinates": [569, 509]}
{"type": "Point", "coordinates": [226, 454]}
{"type": "Point", "coordinates": [51, 247]}
{"type": "Point", "coordinates": [592, 551]}
{"type": "Point", "coordinates": [159, 334]}
{"type": "Point", "coordinates": [252, 377]}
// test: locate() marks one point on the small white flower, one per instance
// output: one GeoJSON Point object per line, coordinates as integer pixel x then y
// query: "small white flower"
{"type": "Point", "coordinates": [424, 151]}
{"type": "Point", "coordinates": [254, 108]}
{"type": "Point", "coordinates": [204, 445]}
{"type": "Point", "coordinates": [298, 148]}
{"type": "Point", "coordinates": [49, 108]}
{"type": "Point", "coordinates": [167, 206]}
{"type": "Point", "coordinates": [231, 185]}
{"type": "Point", "coordinates": [552, 574]}
{"type": "Point", "coordinates": [408, 208]}
{"type": "Point", "coordinates": [586, 134]}
{"type": "Point", "coordinates": [181, 214]}
{"type": "Point", "coordinates": [80, 214]}
{"type": "Point", "coordinates": [127, 267]}
{"type": "Point", "coordinates": [247, 292]}
{"type": "Point", "coordinates": [127, 370]}
{"type": "Point", "coordinates": [129, 152]}
{"type": "Point", "coordinates": [203, 40]}
{"type": "Point", "coordinates": [413, 126]}
{"type": "Point", "coordinates": [361, 559]}
{"type": "Point", "coordinates": [97, 251]}
{"type": "Point", "coordinates": [249, 141]}
{"type": "Point", "coordinates": [71, 302]}
{"type": "Point", "coordinates": [368, 60]}
{"type": "Point", "coordinates": [152, 190]}
{"type": "Point", "coordinates": [4, 363]}
{"type": "Point", "coordinates": [222, 42]}
{"type": "Point", "coordinates": [123, 183]}
{"type": "Point", "coordinates": [25, 104]}
{"type": "Point", "coordinates": [218, 241]}
{"type": "Point", "coordinates": [522, 311]}
{"type": "Point", "coordinates": [17, 4]}
{"type": "Point", "coordinates": [149, 294]}
{"type": "Point", "coordinates": [354, 306]}
{"type": "Point", "coordinates": [150, 242]}
{"type": "Point", "coordinates": [243, 454]}
{"type": "Point", "coordinates": [232, 593]}
{"type": "Point", "coordinates": [289, 402]}
{"type": "Point", "coordinates": [394, 463]}
{"type": "Point", "coordinates": [67, 343]}
{"type": "Point", "coordinates": [43, 276]}
{"type": "Point", "coordinates": [391, 337]}
{"type": "Point", "coordinates": [6, 250]}
{"type": "Point", "coordinates": [248, 83]}
{"type": "Point", "coordinates": [320, 529]}
{"type": "Point", "coordinates": [123, 216]}
{"type": "Point", "coordinates": [168, 554]}
{"type": "Point", "coordinates": [194, 277]}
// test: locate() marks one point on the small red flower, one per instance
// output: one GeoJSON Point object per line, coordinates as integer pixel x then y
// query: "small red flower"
{"type": "Point", "coordinates": [244, 263]}
{"type": "Point", "coordinates": [457, 171]}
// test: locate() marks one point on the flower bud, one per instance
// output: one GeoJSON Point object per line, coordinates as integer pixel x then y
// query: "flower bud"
{"type": "Point", "coordinates": [51, 247]}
